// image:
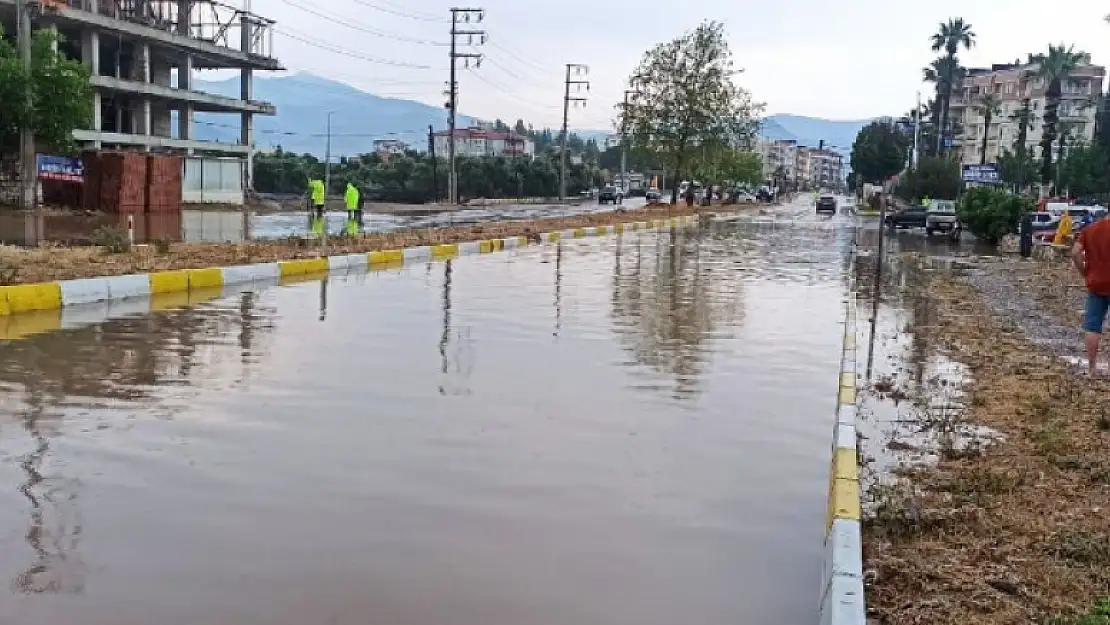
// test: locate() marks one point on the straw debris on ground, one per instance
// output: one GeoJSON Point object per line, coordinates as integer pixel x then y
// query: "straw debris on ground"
{"type": "Point", "coordinates": [1019, 532]}
{"type": "Point", "coordinates": [23, 266]}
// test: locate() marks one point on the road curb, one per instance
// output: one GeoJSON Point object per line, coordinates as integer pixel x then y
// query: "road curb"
{"type": "Point", "coordinates": [842, 594]}
{"type": "Point", "coordinates": [174, 289]}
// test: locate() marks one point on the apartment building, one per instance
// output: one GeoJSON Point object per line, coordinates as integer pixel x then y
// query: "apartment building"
{"type": "Point", "coordinates": [389, 147]}
{"type": "Point", "coordinates": [143, 56]}
{"type": "Point", "coordinates": [819, 169]}
{"type": "Point", "coordinates": [478, 142]}
{"type": "Point", "coordinates": [779, 153]}
{"type": "Point", "coordinates": [1013, 84]}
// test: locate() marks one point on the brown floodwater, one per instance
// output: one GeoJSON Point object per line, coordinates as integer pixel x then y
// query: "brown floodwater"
{"type": "Point", "coordinates": [633, 429]}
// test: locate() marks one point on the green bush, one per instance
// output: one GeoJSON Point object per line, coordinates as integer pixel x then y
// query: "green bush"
{"type": "Point", "coordinates": [113, 240]}
{"type": "Point", "coordinates": [162, 245]}
{"type": "Point", "coordinates": [991, 214]}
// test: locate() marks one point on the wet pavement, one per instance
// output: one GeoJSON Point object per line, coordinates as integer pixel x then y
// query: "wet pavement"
{"type": "Point", "coordinates": [630, 429]}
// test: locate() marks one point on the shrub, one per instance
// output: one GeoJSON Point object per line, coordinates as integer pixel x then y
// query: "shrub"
{"type": "Point", "coordinates": [113, 240]}
{"type": "Point", "coordinates": [162, 245]}
{"type": "Point", "coordinates": [9, 273]}
{"type": "Point", "coordinates": [991, 214]}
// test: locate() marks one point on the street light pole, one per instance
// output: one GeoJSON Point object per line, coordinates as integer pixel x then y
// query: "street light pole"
{"type": "Point", "coordinates": [28, 169]}
{"type": "Point", "coordinates": [327, 160]}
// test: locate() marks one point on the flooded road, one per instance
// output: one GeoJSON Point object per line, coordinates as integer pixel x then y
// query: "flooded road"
{"type": "Point", "coordinates": [630, 429]}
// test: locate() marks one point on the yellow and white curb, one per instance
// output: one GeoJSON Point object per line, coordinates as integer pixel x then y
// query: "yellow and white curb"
{"type": "Point", "coordinates": [36, 308]}
{"type": "Point", "coordinates": [842, 600]}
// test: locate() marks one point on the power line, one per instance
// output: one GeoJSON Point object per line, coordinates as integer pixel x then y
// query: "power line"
{"type": "Point", "coordinates": [360, 27]}
{"type": "Point", "coordinates": [505, 91]}
{"type": "Point", "coordinates": [411, 16]}
{"type": "Point", "coordinates": [345, 52]}
{"type": "Point", "coordinates": [519, 57]}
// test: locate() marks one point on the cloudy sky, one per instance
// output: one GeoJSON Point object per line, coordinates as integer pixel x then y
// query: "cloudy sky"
{"type": "Point", "coordinates": [842, 60]}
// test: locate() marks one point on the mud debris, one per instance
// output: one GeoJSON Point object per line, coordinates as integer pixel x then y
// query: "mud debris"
{"type": "Point", "coordinates": [22, 266]}
{"type": "Point", "coordinates": [1016, 532]}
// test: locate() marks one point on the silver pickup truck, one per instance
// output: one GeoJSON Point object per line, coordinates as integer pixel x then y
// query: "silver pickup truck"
{"type": "Point", "coordinates": [941, 219]}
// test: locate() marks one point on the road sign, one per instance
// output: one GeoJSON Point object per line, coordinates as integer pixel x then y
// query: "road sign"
{"type": "Point", "coordinates": [981, 174]}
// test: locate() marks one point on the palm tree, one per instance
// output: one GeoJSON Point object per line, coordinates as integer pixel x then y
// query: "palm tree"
{"type": "Point", "coordinates": [1054, 68]}
{"type": "Point", "coordinates": [946, 73]}
{"type": "Point", "coordinates": [990, 105]}
{"type": "Point", "coordinates": [950, 37]}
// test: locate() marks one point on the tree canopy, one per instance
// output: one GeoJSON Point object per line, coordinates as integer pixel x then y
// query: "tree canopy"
{"type": "Point", "coordinates": [935, 177]}
{"type": "Point", "coordinates": [879, 151]}
{"type": "Point", "coordinates": [687, 102]}
{"type": "Point", "coordinates": [61, 96]}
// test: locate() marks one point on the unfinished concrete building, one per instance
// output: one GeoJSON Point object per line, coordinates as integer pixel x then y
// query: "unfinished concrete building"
{"type": "Point", "coordinates": [143, 56]}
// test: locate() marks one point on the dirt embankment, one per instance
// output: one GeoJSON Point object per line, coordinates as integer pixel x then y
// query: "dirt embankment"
{"type": "Point", "coordinates": [22, 266]}
{"type": "Point", "coordinates": [1019, 531]}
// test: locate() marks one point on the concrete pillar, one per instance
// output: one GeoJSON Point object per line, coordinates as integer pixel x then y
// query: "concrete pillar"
{"type": "Point", "coordinates": [90, 56]}
{"type": "Point", "coordinates": [246, 92]}
{"type": "Point", "coordinates": [184, 11]}
{"type": "Point", "coordinates": [184, 81]}
{"type": "Point", "coordinates": [144, 125]}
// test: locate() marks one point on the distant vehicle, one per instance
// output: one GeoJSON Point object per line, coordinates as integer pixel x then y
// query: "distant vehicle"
{"type": "Point", "coordinates": [911, 217]}
{"type": "Point", "coordinates": [826, 204]}
{"type": "Point", "coordinates": [653, 196]}
{"type": "Point", "coordinates": [609, 195]}
{"type": "Point", "coordinates": [940, 218]}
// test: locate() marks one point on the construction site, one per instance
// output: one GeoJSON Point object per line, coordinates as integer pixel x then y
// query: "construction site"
{"type": "Point", "coordinates": [143, 57]}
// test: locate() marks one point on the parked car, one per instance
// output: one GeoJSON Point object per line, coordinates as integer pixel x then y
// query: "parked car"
{"type": "Point", "coordinates": [940, 218]}
{"type": "Point", "coordinates": [609, 195]}
{"type": "Point", "coordinates": [826, 204]}
{"type": "Point", "coordinates": [910, 217]}
{"type": "Point", "coordinates": [653, 196]}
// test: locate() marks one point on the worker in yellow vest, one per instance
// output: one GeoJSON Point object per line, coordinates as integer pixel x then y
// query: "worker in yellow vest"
{"type": "Point", "coordinates": [351, 198]}
{"type": "Point", "coordinates": [319, 197]}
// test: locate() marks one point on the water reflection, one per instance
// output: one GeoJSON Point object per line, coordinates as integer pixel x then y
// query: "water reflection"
{"type": "Point", "coordinates": [671, 303]}
{"type": "Point", "coordinates": [54, 528]}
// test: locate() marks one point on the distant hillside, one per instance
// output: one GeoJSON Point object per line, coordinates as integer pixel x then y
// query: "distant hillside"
{"type": "Point", "coordinates": [809, 131]}
{"type": "Point", "coordinates": [303, 101]}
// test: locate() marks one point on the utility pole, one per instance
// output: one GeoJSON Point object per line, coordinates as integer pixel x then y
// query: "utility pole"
{"type": "Point", "coordinates": [28, 173]}
{"type": "Point", "coordinates": [458, 15]}
{"type": "Point", "coordinates": [327, 162]}
{"type": "Point", "coordinates": [916, 131]}
{"type": "Point", "coordinates": [624, 140]}
{"type": "Point", "coordinates": [578, 70]}
{"type": "Point", "coordinates": [432, 154]}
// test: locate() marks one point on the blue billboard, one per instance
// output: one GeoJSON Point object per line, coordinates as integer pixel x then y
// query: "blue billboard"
{"type": "Point", "coordinates": [982, 174]}
{"type": "Point", "coordinates": [60, 168]}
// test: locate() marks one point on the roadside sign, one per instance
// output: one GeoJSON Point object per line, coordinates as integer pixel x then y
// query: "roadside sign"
{"type": "Point", "coordinates": [60, 168]}
{"type": "Point", "coordinates": [981, 174]}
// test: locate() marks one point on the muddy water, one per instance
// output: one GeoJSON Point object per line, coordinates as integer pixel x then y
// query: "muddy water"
{"type": "Point", "coordinates": [631, 429]}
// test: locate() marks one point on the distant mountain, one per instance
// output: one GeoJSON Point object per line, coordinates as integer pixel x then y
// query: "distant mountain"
{"type": "Point", "coordinates": [303, 101]}
{"type": "Point", "coordinates": [809, 131]}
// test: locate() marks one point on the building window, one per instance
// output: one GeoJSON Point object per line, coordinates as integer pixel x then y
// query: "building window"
{"type": "Point", "coordinates": [1009, 88]}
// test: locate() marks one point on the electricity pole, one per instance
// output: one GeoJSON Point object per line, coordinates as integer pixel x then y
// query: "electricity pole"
{"type": "Point", "coordinates": [432, 154]}
{"type": "Point", "coordinates": [327, 162]}
{"type": "Point", "coordinates": [578, 70]}
{"type": "Point", "coordinates": [464, 15]}
{"type": "Point", "coordinates": [624, 140]}
{"type": "Point", "coordinates": [28, 168]}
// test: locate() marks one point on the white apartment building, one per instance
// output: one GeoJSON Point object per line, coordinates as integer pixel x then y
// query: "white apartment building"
{"type": "Point", "coordinates": [778, 153]}
{"type": "Point", "coordinates": [819, 169]}
{"type": "Point", "coordinates": [1013, 84]}
{"type": "Point", "coordinates": [383, 147]}
{"type": "Point", "coordinates": [479, 142]}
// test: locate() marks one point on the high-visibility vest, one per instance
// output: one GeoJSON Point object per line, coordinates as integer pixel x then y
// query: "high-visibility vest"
{"type": "Point", "coordinates": [352, 197]}
{"type": "Point", "coordinates": [319, 196]}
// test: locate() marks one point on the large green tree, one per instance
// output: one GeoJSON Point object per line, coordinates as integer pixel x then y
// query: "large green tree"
{"type": "Point", "coordinates": [935, 177]}
{"type": "Point", "coordinates": [879, 151]}
{"type": "Point", "coordinates": [950, 37]}
{"type": "Point", "coordinates": [1054, 67]}
{"type": "Point", "coordinates": [61, 96]}
{"type": "Point", "coordinates": [1085, 171]}
{"type": "Point", "coordinates": [688, 102]}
